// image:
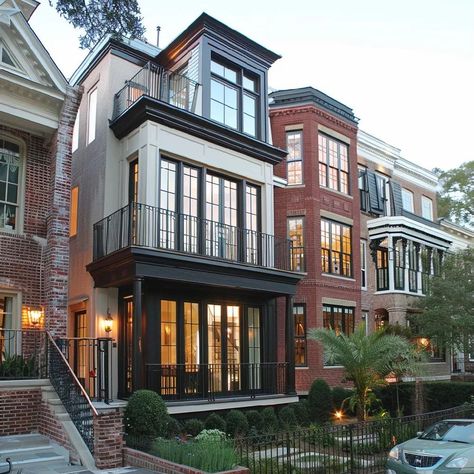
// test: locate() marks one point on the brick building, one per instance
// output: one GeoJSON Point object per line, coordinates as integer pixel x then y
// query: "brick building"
{"type": "Point", "coordinates": [37, 112]}
{"type": "Point", "coordinates": [319, 210]}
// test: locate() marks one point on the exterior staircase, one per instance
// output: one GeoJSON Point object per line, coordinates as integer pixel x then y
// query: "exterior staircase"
{"type": "Point", "coordinates": [35, 453]}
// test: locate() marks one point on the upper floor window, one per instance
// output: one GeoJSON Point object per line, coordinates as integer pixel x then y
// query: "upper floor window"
{"type": "Point", "coordinates": [363, 264]}
{"type": "Point", "coordinates": [407, 200]}
{"type": "Point", "coordinates": [427, 208]}
{"type": "Point", "coordinates": [294, 141]}
{"type": "Point", "coordinates": [336, 248]}
{"type": "Point", "coordinates": [75, 134]}
{"type": "Point", "coordinates": [383, 192]}
{"type": "Point", "coordinates": [10, 175]}
{"type": "Point", "coordinates": [333, 164]}
{"type": "Point", "coordinates": [234, 97]}
{"type": "Point", "coordinates": [92, 116]}
{"type": "Point", "coordinates": [295, 234]}
{"type": "Point", "coordinates": [299, 314]}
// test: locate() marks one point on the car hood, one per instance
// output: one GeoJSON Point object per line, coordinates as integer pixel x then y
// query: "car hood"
{"type": "Point", "coordinates": [443, 448]}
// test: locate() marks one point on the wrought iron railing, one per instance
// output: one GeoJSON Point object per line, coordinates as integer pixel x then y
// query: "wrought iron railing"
{"type": "Point", "coordinates": [91, 360]}
{"type": "Point", "coordinates": [148, 226]}
{"type": "Point", "coordinates": [211, 381]}
{"type": "Point", "coordinates": [158, 83]}
{"type": "Point", "coordinates": [23, 354]}
{"type": "Point", "coordinates": [72, 394]}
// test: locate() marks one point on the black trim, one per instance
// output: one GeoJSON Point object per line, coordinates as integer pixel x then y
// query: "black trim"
{"type": "Point", "coordinates": [147, 108]}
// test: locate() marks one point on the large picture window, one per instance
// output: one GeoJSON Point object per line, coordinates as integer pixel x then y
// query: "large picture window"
{"type": "Point", "coordinates": [234, 97]}
{"type": "Point", "coordinates": [333, 164]}
{"type": "Point", "coordinates": [10, 176]}
{"type": "Point", "coordinates": [294, 142]}
{"type": "Point", "coordinates": [336, 248]}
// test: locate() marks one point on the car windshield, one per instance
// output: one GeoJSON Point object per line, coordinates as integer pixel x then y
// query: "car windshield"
{"type": "Point", "coordinates": [457, 431]}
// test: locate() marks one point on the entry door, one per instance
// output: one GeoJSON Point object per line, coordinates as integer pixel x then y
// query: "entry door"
{"type": "Point", "coordinates": [223, 327]}
{"type": "Point", "coordinates": [80, 346]}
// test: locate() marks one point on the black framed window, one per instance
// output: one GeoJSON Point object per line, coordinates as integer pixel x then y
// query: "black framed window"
{"type": "Point", "coordinates": [426, 258]}
{"type": "Point", "coordinates": [399, 263]}
{"type": "Point", "coordinates": [363, 264]}
{"type": "Point", "coordinates": [333, 164]}
{"type": "Point", "coordinates": [296, 235]}
{"type": "Point", "coordinates": [294, 159]}
{"type": "Point", "coordinates": [381, 268]}
{"type": "Point", "coordinates": [10, 174]}
{"type": "Point", "coordinates": [363, 189]}
{"type": "Point", "coordinates": [133, 181]}
{"type": "Point", "coordinates": [234, 96]}
{"type": "Point", "coordinates": [336, 248]}
{"type": "Point", "coordinates": [413, 266]}
{"type": "Point", "coordinates": [299, 314]}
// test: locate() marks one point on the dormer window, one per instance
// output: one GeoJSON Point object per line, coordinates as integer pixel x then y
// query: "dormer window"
{"type": "Point", "coordinates": [7, 58]}
{"type": "Point", "coordinates": [234, 97]}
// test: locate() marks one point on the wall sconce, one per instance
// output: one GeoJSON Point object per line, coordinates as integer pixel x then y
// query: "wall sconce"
{"type": "Point", "coordinates": [35, 315]}
{"type": "Point", "coordinates": [108, 323]}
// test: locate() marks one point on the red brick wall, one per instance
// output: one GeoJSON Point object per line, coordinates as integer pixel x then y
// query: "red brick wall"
{"type": "Point", "coordinates": [108, 439]}
{"type": "Point", "coordinates": [19, 411]}
{"type": "Point", "coordinates": [308, 201]}
{"type": "Point", "coordinates": [139, 459]}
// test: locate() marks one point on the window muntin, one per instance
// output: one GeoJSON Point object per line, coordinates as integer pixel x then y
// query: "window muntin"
{"type": "Point", "coordinates": [427, 208]}
{"type": "Point", "coordinates": [336, 248]}
{"type": "Point", "coordinates": [363, 264]}
{"type": "Point", "coordinates": [10, 176]}
{"type": "Point", "coordinates": [73, 211]}
{"type": "Point", "coordinates": [407, 200]}
{"type": "Point", "coordinates": [333, 164]}
{"type": "Point", "coordinates": [92, 116]}
{"type": "Point", "coordinates": [296, 235]}
{"type": "Point", "coordinates": [299, 315]}
{"type": "Point", "coordinates": [294, 159]}
{"type": "Point", "coordinates": [234, 98]}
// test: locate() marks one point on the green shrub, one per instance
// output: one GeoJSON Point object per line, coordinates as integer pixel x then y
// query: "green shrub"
{"type": "Point", "coordinates": [205, 454]}
{"type": "Point", "coordinates": [301, 412]}
{"type": "Point", "coordinates": [270, 420]}
{"type": "Point", "coordinates": [173, 428]}
{"type": "Point", "coordinates": [236, 423]}
{"type": "Point", "coordinates": [287, 418]}
{"type": "Point", "coordinates": [320, 401]}
{"type": "Point", "coordinates": [255, 420]}
{"type": "Point", "coordinates": [320, 437]}
{"type": "Point", "coordinates": [339, 395]}
{"type": "Point", "coordinates": [214, 422]}
{"type": "Point", "coordinates": [211, 435]}
{"type": "Point", "coordinates": [193, 426]}
{"type": "Point", "coordinates": [441, 395]}
{"type": "Point", "coordinates": [146, 415]}
{"type": "Point", "coordinates": [15, 365]}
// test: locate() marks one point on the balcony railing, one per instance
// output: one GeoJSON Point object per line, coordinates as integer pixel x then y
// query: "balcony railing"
{"type": "Point", "coordinates": [152, 227]}
{"type": "Point", "coordinates": [158, 83]}
{"type": "Point", "coordinates": [211, 381]}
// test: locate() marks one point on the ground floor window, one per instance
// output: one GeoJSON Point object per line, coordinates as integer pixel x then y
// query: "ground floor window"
{"type": "Point", "coordinates": [341, 320]}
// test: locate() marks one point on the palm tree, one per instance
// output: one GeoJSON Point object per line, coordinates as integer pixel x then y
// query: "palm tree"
{"type": "Point", "coordinates": [367, 359]}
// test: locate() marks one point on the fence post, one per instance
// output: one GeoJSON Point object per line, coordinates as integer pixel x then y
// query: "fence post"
{"type": "Point", "coordinates": [351, 447]}
{"type": "Point", "coordinates": [288, 453]}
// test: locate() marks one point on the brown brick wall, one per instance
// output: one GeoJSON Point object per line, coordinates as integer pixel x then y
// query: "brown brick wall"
{"type": "Point", "coordinates": [19, 411]}
{"type": "Point", "coordinates": [108, 439]}
{"type": "Point", "coordinates": [135, 458]}
{"type": "Point", "coordinates": [308, 201]}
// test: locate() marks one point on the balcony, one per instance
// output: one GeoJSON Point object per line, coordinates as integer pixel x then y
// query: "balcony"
{"type": "Point", "coordinates": [141, 225]}
{"type": "Point", "coordinates": [160, 84]}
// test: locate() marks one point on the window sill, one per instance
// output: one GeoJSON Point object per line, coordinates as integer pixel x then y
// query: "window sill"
{"type": "Point", "coordinates": [339, 277]}
{"type": "Point", "coordinates": [400, 292]}
{"type": "Point", "coordinates": [295, 186]}
{"type": "Point", "coordinates": [301, 367]}
{"type": "Point", "coordinates": [333, 367]}
{"type": "Point", "coordinates": [335, 191]}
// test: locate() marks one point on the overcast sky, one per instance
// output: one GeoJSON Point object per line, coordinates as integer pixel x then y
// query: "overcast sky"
{"type": "Point", "coordinates": [406, 67]}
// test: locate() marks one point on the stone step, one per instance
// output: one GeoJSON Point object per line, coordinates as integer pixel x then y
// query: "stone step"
{"type": "Point", "coordinates": [21, 442]}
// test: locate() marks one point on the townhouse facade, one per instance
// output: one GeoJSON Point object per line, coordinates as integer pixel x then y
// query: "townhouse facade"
{"type": "Point", "coordinates": [173, 254]}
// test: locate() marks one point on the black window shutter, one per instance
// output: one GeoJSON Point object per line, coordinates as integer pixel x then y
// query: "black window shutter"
{"type": "Point", "coordinates": [376, 201]}
{"type": "Point", "coordinates": [397, 203]}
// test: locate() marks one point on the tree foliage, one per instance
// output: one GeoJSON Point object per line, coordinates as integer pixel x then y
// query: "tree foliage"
{"type": "Point", "coordinates": [456, 199]}
{"type": "Point", "coordinates": [367, 360]}
{"type": "Point", "coordinates": [447, 312]}
{"type": "Point", "coordinates": [100, 17]}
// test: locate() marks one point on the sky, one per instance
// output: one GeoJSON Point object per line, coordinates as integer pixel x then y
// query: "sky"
{"type": "Point", "coordinates": [406, 67]}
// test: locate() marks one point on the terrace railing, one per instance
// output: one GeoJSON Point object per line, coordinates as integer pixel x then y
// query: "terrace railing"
{"type": "Point", "coordinates": [211, 381]}
{"type": "Point", "coordinates": [158, 83]}
{"type": "Point", "coordinates": [147, 226]}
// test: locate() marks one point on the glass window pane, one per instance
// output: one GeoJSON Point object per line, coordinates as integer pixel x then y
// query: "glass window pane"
{"type": "Point", "coordinates": [217, 68]}
{"type": "Point", "coordinates": [249, 84]}
{"type": "Point", "coordinates": [230, 97]}
{"type": "Point", "coordinates": [217, 91]}
{"type": "Point", "coordinates": [249, 125]}
{"type": "Point", "coordinates": [217, 111]}
{"type": "Point", "coordinates": [230, 117]}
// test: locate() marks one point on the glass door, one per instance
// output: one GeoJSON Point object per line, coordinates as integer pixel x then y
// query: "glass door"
{"type": "Point", "coordinates": [169, 366]}
{"type": "Point", "coordinates": [233, 348]}
{"type": "Point", "coordinates": [254, 344]}
{"type": "Point", "coordinates": [214, 342]}
{"type": "Point", "coordinates": [80, 364]}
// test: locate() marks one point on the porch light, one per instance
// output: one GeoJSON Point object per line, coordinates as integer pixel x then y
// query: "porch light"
{"type": "Point", "coordinates": [35, 315]}
{"type": "Point", "coordinates": [338, 414]}
{"type": "Point", "coordinates": [108, 323]}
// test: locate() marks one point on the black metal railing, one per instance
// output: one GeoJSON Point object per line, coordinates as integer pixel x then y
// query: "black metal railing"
{"type": "Point", "coordinates": [336, 448]}
{"type": "Point", "coordinates": [142, 225]}
{"type": "Point", "coordinates": [91, 361]}
{"type": "Point", "coordinates": [23, 354]}
{"type": "Point", "coordinates": [158, 83]}
{"type": "Point", "coordinates": [72, 394]}
{"type": "Point", "coordinates": [211, 381]}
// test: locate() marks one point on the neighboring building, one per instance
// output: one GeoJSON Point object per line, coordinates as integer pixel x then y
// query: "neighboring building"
{"type": "Point", "coordinates": [172, 246]}
{"type": "Point", "coordinates": [318, 210]}
{"type": "Point", "coordinates": [37, 111]}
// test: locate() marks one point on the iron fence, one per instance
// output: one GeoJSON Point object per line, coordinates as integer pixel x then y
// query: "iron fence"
{"type": "Point", "coordinates": [153, 227]}
{"type": "Point", "coordinates": [158, 83]}
{"type": "Point", "coordinates": [340, 448]}
{"type": "Point", "coordinates": [23, 354]}
{"type": "Point", "coordinates": [211, 381]}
